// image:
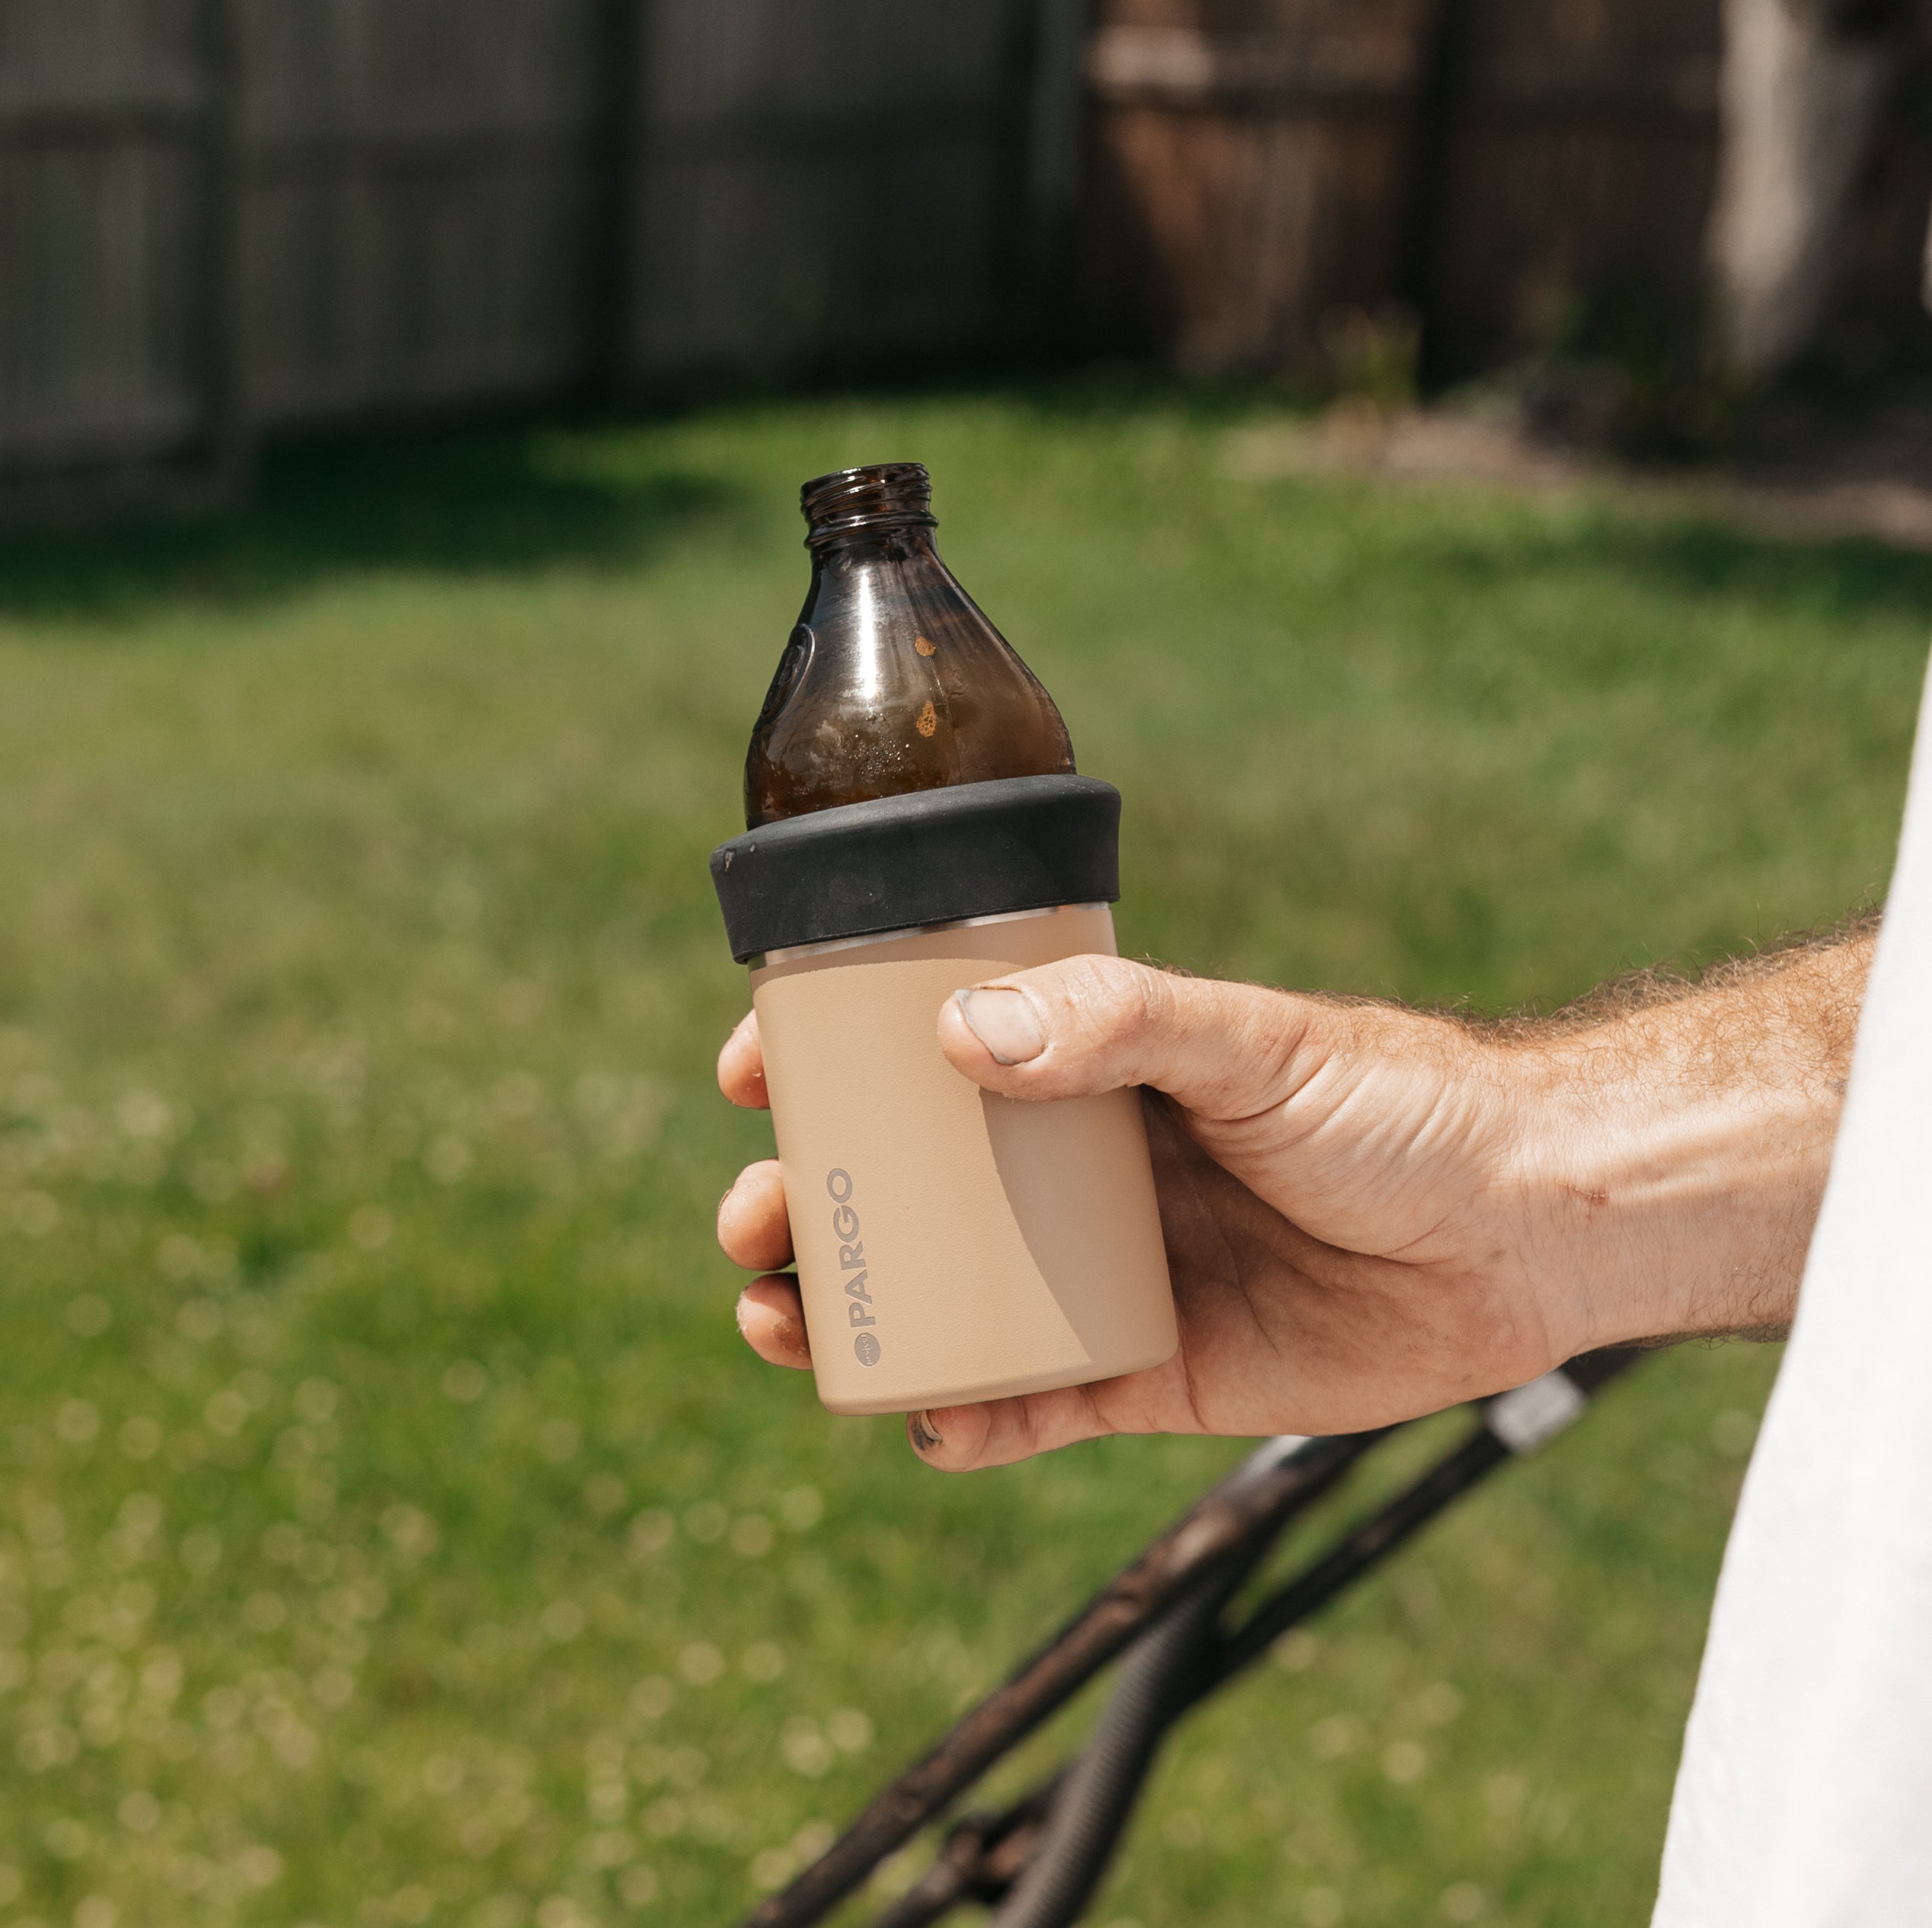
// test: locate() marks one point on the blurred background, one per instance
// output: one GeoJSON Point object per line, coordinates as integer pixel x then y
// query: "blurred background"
{"type": "Point", "coordinates": [221, 217]}
{"type": "Point", "coordinates": [1469, 465]}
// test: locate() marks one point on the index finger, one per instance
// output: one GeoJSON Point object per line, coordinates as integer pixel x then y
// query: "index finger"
{"type": "Point", "coordinates": [741, 1067]}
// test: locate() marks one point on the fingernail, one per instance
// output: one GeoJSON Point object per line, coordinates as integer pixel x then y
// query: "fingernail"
{"type": "Point", "coordinates": [923, 1433]}
{"type": "Point", "coordinates": [1003, 1021]}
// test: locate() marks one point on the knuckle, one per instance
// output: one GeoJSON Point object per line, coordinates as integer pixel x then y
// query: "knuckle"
{"type": "Point", "coordinates": [1110, 1001]}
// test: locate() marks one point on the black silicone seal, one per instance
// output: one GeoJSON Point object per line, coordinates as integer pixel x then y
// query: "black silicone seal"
{"type": "Point", "coordinates": [1015, 843]}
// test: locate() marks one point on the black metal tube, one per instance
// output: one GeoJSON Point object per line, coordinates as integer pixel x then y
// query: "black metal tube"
{"type": "Point", "coordinates": [1173, 1666]}
{"type": "Point", "coordinates": [1270, 1486]}
{"type": "Point", "coordinates": [977, 1872]}
{"type": "Point", "coordinates": [1452, 1476]}
{"type": "Point", "coordinates": [983, 1855]}
{"type": "Point", "coordinates": [1184, 1658]}
{"type": "Point", "coordinates": [1368, 1544]}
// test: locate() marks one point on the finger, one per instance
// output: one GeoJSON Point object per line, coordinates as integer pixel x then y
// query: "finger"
{"type": "Point", "coordinates": [741, 1067]}
{"type": "Point", "coordinates": [772, 1320]}
{"type": "Point", "coordinates": [961, 1438]}
{"type": "Point", "coordinates": [1089, 1024]}
{"type": "Point", "coordinates": [752, 1226]}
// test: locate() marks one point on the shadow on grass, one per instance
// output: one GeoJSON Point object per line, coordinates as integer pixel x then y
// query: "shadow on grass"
{"type": "Point", "coordinates": [514, 493]}
{"type": "Point", "coordinates": [1691, 549]}
{"type": "Point", "coordinates": [1828, 575]}
{"type": "Point", "coordinates": [481, 499]}
{"type": "Point", "coordinates": [1698, 554]}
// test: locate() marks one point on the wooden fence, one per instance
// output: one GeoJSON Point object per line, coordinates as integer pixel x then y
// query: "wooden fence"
{"type": "Point", "coordinates": [1507, 169]}
{"type": "Point", "coordinates": [218, 214]}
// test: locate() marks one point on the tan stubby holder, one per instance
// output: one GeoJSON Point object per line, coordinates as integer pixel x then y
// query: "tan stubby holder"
{"type": "Point", "coordinates": [953, 1246]}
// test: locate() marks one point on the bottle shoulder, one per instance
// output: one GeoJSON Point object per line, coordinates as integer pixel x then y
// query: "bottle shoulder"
{"type": "Point", "coordinates": [893, 681]}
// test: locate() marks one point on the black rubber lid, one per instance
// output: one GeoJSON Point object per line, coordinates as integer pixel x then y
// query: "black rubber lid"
{"type": "Point", "coordinates": [1015, 843]}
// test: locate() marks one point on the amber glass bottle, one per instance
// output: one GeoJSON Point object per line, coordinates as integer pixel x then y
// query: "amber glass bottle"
{"type": "Point", "coordinates": [892, 680]}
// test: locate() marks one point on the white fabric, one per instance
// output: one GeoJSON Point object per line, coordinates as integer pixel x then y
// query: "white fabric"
{"type": "Point", "coordinates": [1805, 1796]}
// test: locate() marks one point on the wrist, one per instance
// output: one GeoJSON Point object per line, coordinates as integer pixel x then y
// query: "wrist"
{"type": "Point", "coordinates": [1678, 1154]}
{"type": "Point", "coordinates": [1679, 1213]}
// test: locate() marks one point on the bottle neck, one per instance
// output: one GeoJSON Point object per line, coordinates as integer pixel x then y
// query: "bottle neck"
{"type": "Point", "coordinates": [881, 499]}
{"type": "Point", "coordinates": [872, 543]}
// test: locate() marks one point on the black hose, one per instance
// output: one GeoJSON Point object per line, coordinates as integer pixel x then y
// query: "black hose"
{"type": "Point", "coordinates": [1163, 1670]}
{"type": "Point", "coordinates": [1161, 1674]}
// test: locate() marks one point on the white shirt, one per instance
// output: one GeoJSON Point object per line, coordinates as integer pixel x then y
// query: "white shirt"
{"type": "Point", "coordinates": [1805, 1796]}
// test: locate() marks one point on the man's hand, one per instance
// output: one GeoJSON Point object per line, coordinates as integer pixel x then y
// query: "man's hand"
{"type": "Point", "coordinates": [1372, 1212]}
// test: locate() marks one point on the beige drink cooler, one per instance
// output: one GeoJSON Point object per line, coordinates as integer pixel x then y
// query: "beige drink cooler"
{"type": "Point", "coordinates": [953, 1246]}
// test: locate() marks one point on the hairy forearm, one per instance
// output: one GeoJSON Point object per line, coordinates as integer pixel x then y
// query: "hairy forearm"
{"type": "Point", "coordinates": [1684, 1140]}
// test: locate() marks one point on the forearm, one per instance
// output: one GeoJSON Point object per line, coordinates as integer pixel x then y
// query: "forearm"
{"type": "Point", "coordinates": [1686, 1143]}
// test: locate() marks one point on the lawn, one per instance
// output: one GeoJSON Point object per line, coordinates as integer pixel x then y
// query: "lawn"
{"type": "Point", "coordinates": [392, 1529]}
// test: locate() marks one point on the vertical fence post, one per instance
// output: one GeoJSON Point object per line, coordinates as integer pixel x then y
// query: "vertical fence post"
{"type": "Point", "coordinates": [1051, 137]}
{"type": "Point", "coordinates": [1036, 167]}
{"type": "Point", "coordinates": [610, 290]}
{"type": "Point", "coordinates": [227, 437]}
{"type": "Point", "coordinates": [1441, 59]}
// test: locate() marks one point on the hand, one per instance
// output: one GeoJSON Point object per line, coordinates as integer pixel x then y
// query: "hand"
{"type": "Point", "coordinates": [1372, 1212]}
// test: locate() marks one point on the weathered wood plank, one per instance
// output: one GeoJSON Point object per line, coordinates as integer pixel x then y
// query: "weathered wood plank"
{"type": "Point", "coordinates": [1577, 175]}
{"type": "Point", "coordinates": [336, 67]}
{"type": "Point", "coordinates": [97, 104]}
{"type": "Point", "coordinates": [97, 307]}
{"type": "Point", "coordinates": [101, 103]}
{"type": "Point", "coordinates": [1242, 182]}
{"type": "Point", "coordinates": [857, 58]}
{"type": "Point", "coordinates": [1184, 67]}
{"type": "Point", "coordinates": [420, 183]}
{"type": "Point", "coordinates": [757, 264]}
{"type": "Point", "coordinates": [368, 289]}
{"type": "Point", "coordinates": [72, 37]}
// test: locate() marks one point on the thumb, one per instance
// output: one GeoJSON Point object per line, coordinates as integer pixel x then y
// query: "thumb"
{"type": "Point", "coordinates": [1090, 1024]}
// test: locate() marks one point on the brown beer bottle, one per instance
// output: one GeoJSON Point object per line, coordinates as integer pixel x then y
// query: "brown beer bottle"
{"type": "Point", "coordinates": [892, 680]}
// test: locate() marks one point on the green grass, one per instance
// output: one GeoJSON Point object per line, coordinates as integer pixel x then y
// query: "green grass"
{"type": "Point", "coordinates": [392, 1528]}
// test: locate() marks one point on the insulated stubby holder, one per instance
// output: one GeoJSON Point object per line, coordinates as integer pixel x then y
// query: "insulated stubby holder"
{"type": "Point", "coordinates": [953, 1246]}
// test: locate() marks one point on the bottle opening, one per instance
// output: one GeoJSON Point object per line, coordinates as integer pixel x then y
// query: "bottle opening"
{"type": "Point", "coordinates": [881, 495]}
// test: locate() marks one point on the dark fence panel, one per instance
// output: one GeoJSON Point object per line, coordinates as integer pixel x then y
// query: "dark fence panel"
{"type": "Point", "coordinates": [1876, 318]}
{"type": "Point", "coordinates": [112, 293]}
{"type": "Point", "coordinates": [1576, 170]}
{"type": "Point", "coordinates": [420, 181]}
{"type": "Point", "coordinates": [216, 214]}
{"type": "Point", "coordinates": [826, 177]}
